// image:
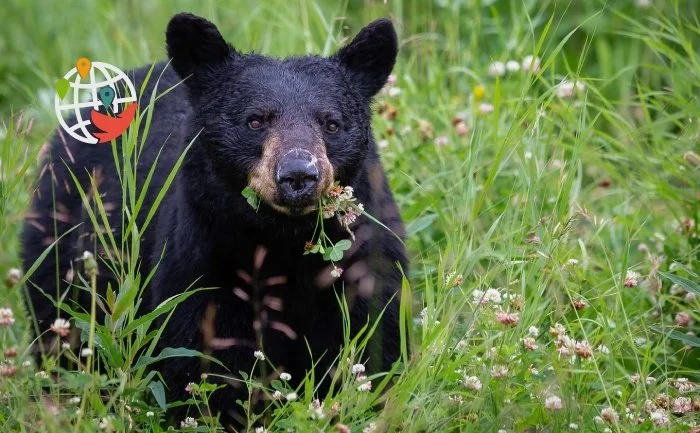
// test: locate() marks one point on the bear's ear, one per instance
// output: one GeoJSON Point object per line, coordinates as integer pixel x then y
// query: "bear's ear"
{"type": "Point", "coordinates": [370, 56]}
{"type": "Point", "coordinates": [194, 42]}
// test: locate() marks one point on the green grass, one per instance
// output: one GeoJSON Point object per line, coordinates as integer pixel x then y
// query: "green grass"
{"type": "Point", "coordinates": [549, 199]}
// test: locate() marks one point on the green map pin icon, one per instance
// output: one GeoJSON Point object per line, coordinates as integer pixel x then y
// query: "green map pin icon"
{"type": "Point", "coordinates": [62, 86]}
{"type": "Point", "coordinates": [106, 95]}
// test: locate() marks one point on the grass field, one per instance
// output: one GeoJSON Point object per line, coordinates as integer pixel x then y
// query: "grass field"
{"type": "Point", "coordinates": [551, 210]}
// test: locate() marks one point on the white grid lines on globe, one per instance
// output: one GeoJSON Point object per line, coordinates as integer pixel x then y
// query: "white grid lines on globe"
{"type": "Point", "coordinates": [111, 80]}
{"type": "Point", "coordinates": [93, 88]}
{"type": "Point", "coordinates": [79, 125]}
{"type": "Point", "coordinates": [87, 104]}
{"type": "Point", "coordinates": [78, 116]}
{"type": "Point", "coordinates": [112, 75]}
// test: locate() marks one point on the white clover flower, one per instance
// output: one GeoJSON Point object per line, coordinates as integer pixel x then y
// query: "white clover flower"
{"type": "Point", "coordinates": [583, 349]}
{"type": "Point", "coordinates": [499, 371]}
{"type": "Point", "coordinates": [285, 376]}
{"type": "Point", "coordinates": [659, 417]}
{"type": "Point", "coordinates": [61, 327]}
{"type": "Point", "coordinates": [86, 352]}
{"type": "Point", "coordinates": [442, 140]}
{"type": "Point", "coordinates": [291, 396]}
{"type": "Point", "coordinates": [565, 90]}
{"type": "Point", "coordinates": [497, 69]}
{"type": "Point", "coordinates": [533, 331]}
{"type": "Point", "coordinates": [336, 272]}
{"type": "Point", "coordinates": [530, 343]}
{"type": "Point", "coordinates": [631, 279]}
{"type": "Point", "coordinates": [512, 66]}
{"type": "Point", "coordinates": [609, 415]}
{"type": "Point", "coordinates": [485, 108]}
{"type": "Point", "coordinates": [41, 374]}
{"type": "Point", "coordinates": [188, 422]}
{"type": "Point", "coordinates": [462, 344]}
{"type": "Point", "coordinates": [603, 349]}
{"type": "Point", "coordinates": [462, 129]}
{"type": "Point", "coordinates": [277, 395]}
{"type": "Point", "coordinates": [472, 382]}
{"type": "Point", "coordinates": [566, 346]}
{"type": "Point", "coordinates": [13, 276]}
{"type": "Point", "coordinates": [640, 341]}
{"type": "Point", "coordinates": [7, 370]}
{"type": "Point", "coordinates": [358, 368]}
{"type": "Point", "coordinates": [328, 211]}
{"type": "Point", "coordinates": [347, 193]}
{"type": "Point", "coordinates": [553, 402]}
{"type": "Point", "coordinates": [493, 296]}
{"type": "Point", "coordinates": [316, 409]}
{"type": "Point", "coordinates": [508, 319]}
{"type": "Point", "coordinates": [259, 355]}
{"type": "Point", "coordinates": [260, 430]}
{"type": "Point", "coordinates": [7, 317]}
{"type": "Point", "coordinates": [107, 423]}
{"type": "Point", "coordinates": [74, 400]}
{"type": "Point", "coordinates": [681, 405]}
{"type": "Point", "coordinates": [150, 414]}
{"type": "Point", "coordinates": [423, 316]}
{"type": "Point", "coordinates": [557, 330]}
{"type": "Point", "coordinates": [531, 64]}
{"type": "Point", "coordinates": [683, 319]}
{"type": "Point", "coordinates": [684, 386]}
{"type": "Point", "coordinates": [365, 385]}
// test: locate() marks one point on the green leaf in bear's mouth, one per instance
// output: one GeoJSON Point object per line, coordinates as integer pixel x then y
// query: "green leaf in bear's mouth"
{"type": "Point", "coordinates": [252, 197]}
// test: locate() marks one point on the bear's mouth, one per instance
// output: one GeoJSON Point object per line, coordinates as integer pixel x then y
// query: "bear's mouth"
{"type": "Point", "coordinates": [294, 211]}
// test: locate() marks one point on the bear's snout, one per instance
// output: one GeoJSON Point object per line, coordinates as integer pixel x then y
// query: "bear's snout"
{"type": "Point", "coordinates": [297, 177]}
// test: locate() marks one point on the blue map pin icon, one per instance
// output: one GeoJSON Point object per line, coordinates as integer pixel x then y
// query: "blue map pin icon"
{"type": "Point", "coordinates": [106, 95]}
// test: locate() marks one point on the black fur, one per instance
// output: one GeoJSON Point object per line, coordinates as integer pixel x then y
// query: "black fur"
{"type": "Point", "coordinates": [211, 236]}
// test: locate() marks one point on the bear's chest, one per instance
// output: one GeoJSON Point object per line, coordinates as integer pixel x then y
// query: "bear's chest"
{"type": "Point", "coordinates": [266, 290]}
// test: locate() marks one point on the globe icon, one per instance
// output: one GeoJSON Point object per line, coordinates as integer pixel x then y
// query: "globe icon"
{"type": "Point", "coordinates": [84, 92]}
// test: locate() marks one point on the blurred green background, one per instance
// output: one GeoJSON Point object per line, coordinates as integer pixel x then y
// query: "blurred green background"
{"type": "Point", "coordinates": [40, 40]}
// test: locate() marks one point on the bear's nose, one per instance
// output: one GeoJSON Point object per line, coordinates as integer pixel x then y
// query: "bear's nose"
{"type": "Point", "coordinates": [297, 179]}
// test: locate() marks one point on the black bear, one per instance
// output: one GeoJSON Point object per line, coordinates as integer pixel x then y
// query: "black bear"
{"type": "Point", "coordinates": [288, 129]}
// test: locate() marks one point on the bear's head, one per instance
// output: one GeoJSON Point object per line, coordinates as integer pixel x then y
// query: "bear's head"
{"type": "Point", "coordinates": [287, 128]}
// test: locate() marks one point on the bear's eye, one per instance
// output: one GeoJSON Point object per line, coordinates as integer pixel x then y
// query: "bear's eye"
{"type": "Point", "coordinates": [255, 124]}
{"type": "Point", "coordinates": [332, 127]}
